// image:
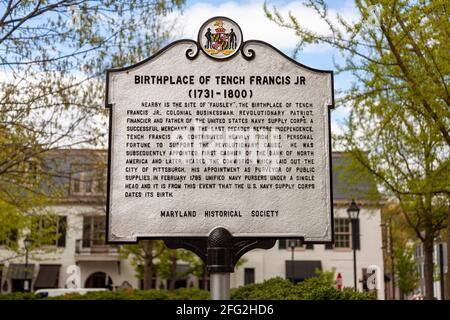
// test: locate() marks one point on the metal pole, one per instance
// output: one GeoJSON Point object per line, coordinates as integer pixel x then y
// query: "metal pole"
{"type": "Point", "coordinates": [220, 262]}
{"type": "Point", "coordinates": [354, 253]}
{"type": "Point", "coordinates": [354, 269]}
{"type": "Point", "coordinates": [441, 270]}
{"type": "Point", "coordinates": [26, 286]}
{"type": "Point", "coordinates": [292, 263]}
{"type": "Point", "coordinates": [220, 286]}
{"type": "Point", "coordinates": [220, 252]}
{"type": "Point", "coordinates": [391, 249]}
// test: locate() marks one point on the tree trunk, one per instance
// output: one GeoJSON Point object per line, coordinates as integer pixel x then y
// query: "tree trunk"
{"type": "Point", "coordinates": [447, 278]}
{"type": "Point", "coordinates": [402, 295]}
{"type": "Point", "coordinates": [428, 265]}
{"type": "Point", "coordinates": [173, 271]}
{"type": "Point", "coordinates": [148, 264]}
{"type": "Point", "coordinates": [205, 277]}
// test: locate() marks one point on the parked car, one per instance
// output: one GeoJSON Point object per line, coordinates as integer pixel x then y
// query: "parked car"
{"type": "Point", "coordinates": [60, 292]}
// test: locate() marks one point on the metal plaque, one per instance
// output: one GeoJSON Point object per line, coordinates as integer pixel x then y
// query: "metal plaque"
{"type": "Point", "coordinates": [219, 132]}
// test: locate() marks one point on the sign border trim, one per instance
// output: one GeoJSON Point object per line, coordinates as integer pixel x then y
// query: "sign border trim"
{"type": "Point", "coordinates": [250, 56]}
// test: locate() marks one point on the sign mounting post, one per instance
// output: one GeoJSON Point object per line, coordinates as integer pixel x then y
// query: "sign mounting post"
{"type": "Point", "coordinates": [219, 146]}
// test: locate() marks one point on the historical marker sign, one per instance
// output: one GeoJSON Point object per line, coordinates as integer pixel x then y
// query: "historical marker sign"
{"type": "Point", "coordinates": [219, 132]}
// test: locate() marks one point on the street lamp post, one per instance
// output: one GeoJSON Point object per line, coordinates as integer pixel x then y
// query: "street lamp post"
{"type": "Point", "coordinates": [353, 215]}
{"type": "Point", "coordinates": [27, 244]}
{"type": "Point", "coordinates": [292, 244]}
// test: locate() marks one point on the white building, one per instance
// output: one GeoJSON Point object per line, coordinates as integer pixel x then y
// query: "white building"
{"type": "Point", "coordinates": [81, 223]}
{"type": "Point", "coordinates": [438, 259]}
{"type": "Point", "coordinates": [264, 264]}
{"type": "Point", "coordinates": [348, 183]}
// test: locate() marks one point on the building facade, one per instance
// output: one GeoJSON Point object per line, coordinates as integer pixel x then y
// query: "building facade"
{"type": "Point", "coordinates": [349, 182]}
{"type": "Point", "coordinates": [440, 266]}
{"type": "Point", "coordinates": [276, 262]}
{"type": "Point", "coordinates": [81, 223]}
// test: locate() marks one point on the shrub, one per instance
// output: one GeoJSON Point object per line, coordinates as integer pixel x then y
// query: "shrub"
{"type": "Point", "coordinates": [19, 296]}
{"type": "Point", "coordinates": [320, 287]}
{"type": "Point", "coordinates": [272, 289]}
{"type": "Point", "coordinates": [317, 288]}
{"type": "Point", "coordinates": [178, 294]}
{"type": "Point", "coordinates": [189, 294]}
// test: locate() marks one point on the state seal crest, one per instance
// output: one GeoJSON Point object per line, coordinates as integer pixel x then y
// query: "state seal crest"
{"type": "Point", "coordinates": [220, 38]}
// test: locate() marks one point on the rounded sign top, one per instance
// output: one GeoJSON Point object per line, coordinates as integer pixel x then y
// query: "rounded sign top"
{"type": "Point", "coordinates": [220, 38]}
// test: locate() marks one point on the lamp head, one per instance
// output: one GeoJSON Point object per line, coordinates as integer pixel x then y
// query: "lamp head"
{"type": "Point", "coordinates": [353, 210]}
{"type": "Point", "coordinates": [27, 243]}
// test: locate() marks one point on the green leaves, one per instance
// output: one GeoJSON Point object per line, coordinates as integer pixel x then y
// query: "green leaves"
{"type": "Point", "coordinates": [406, 269]}
{"type": "Point", "coordinates": [399, 106]}
{"type": "Point", "coordinates": [163, 260]}
{"type": "Point", "coordinates": [320, 287]}
{"type": "Point", "coordinates": [52, 62]}
{"type": "Point", "coordinates": [178, 294]}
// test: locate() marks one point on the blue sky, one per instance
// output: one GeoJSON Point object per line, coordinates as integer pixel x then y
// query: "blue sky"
{"type": "Point", "coordinates": [250, 16]}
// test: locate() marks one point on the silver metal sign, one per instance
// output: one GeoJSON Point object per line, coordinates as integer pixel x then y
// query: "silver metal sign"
{"type": "Point", "coordinates": [219, 132]}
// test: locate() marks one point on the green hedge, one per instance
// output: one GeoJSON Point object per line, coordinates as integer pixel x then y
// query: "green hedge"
{"type": "Point", "coordinates": [317, 288]}
{"type": "Point", "coordinates": [178, 294]}
{"type": "Point", "coordinates": [19, 296]}
{"type": "Point", "coordinates": [311, 289]}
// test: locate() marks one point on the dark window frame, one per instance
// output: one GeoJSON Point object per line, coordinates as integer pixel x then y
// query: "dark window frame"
{"type": "Point", "coordinates": [96, 230]}
{"type": "Point", "coordinates": [87, 179]}
{"type": "Point", "coordinates": [249, 276]}
{"type": "Point", "coordinates": [60, 224]}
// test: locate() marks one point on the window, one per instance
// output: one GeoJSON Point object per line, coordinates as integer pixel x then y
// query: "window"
{"type": "Point", "coordinates": [51, 230]}
{"type": "Point", "coordinates": [87, 179]}
{"type": "Point", "coordinates": [419, 251]}
{"type": "Point", "coordinates": [296, 243]}
{"type": "Point", "coordinates": [61, 231]}
{"type": "Point", "coordinates": [249, 276]}
{"type": "Point", "coordinates": [33, 170]}
{"type": "Point", "coordinates": [287, 243]}
{"type": "Point", "coordinates": [342, 233]}
{"type": "Point", "coordinates": [9, 238]}
{"type": "Point", "coordinates": [94, 231]}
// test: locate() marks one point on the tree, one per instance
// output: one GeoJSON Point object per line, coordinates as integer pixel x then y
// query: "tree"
{"type": "Point", "coordinates": [141, 256]}
{"type": "Point", "coordinates": [23, 213]}
{"type": "Point", "coordinates": [406, 270]}
{"type": "Point", "coordinates": [151, 258]}
{"type": "Point", "coordinates": [52, 62]}
{"type": "Point", "coordinates": [162, 262]}
{"type": "Point", "coordinates": [53, 55]}
{"type": "Point", "coordinates": [397, 234]}
{"type": "Point", "coordinates": [399, 119]}
{"type": "Point", "coordinates": [168, 260]}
